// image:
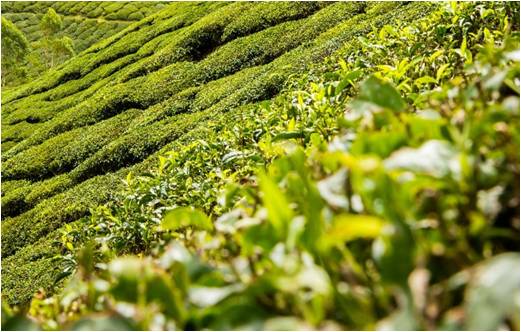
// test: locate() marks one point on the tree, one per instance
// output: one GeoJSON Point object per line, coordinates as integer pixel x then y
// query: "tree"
{"type": "Point", "coordinates": [15, 48]}
{"type": "Point", "coordinates": [52, 46]}
{"type": "Point", "coordinates": [51, 23]}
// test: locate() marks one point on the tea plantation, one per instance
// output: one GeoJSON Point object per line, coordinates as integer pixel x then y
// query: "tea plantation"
{"type": "Point", "coordinates": [75, 26]}
{"type": "Point", "coordinates": [266, 165]}
{"type": "Point", "coordinates": [85, 23]}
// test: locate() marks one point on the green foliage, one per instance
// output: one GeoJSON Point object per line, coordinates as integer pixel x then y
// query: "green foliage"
{"type": "Point", "coordinates": [377, 186]}
{"type": "Point", "coordinates": [264, 15]}
{"type": "Point", "coordinates": [124, 151]}
{"type": "Point", "coordinates": [51, 47]}
{"type": "Point", "coordinates": [14, 50]}
{"type": "Point", "coordinates": [74, 26]}
{"type": "Point", "coordinates": [51, 23]}
{"type": "Point", "coordinates": [66, 151]}
{"type": "Point", "coordinates": [182, 218]}
{"type": "Point", "coordinates": [14, 42]}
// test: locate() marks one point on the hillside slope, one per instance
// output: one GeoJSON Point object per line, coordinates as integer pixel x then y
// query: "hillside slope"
{"type": "Point", "coordinates": [84, 23]}
{"type": "Point", "coordinates": [375, 188]}
{"type": "Point", "coordinates": [69, 137]}
{"type": "Point", "coordinates": [75, 25]}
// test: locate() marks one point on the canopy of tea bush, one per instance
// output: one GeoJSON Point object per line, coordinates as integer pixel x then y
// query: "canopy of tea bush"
{"type": "Point", "coordinates": [271, 166]}
{"type": "Point", "coordinates": [85, 23]}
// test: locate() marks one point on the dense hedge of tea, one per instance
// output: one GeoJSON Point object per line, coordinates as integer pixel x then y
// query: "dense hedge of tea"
{"type": "Point", "coordinates": [75, 27]}
{"type": "Point", "coordinates": [377, 190]}
{"type": "Point", "coordinates": [85, 23]}
{"type": "Point", "coordinates": [70, 135]}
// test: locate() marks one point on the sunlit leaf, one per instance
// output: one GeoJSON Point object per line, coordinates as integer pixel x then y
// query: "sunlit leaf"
{"type": "Point", "coordinates": [442, 71]}
{"type": "Point", "coordinates": [382, 94]}
{"type": "Point", "coordinates": [279, 211]}
{"type": "Point", "coordinates": [208, 296]}
{"type": "Point", "coordinates": [347, 80]}
{"type": "Point", "coordinates": [436, 55]}
{"type": "Point", "coordinates": [425, 80]}
{"type": "Point", "coordinates": [183, 217]}
{"type": "Point", "coordinates": [348, 227]}
{"type": "Point", "coordinates": [436, 158]}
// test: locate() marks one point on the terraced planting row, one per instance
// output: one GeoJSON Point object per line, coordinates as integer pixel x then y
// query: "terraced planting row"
{"type": "Point", "coordinates": [77, 26]}
{"type": "Point", "coordinates": [211, 177]}
{"type": "Point", "coordinates": [85, 23]}
{"type": "Point", "coordinates": [69, 137]}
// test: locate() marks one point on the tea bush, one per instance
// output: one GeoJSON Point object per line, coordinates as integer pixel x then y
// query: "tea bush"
{"type": "Point", "coordinates": [64, 152]}
{"type": "Point", "coordinates": [328, 207]}
{"type": "Point", "coordinates": [123, 152]}
{"type": "Point", "coordinates": [84, 24]}
{"type": "Point", "coordinates": [377, 191]}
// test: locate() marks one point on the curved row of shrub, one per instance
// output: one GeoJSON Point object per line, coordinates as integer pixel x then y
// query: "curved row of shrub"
{"type": "Point", "coordinates": [131, 11]}
{"type": "Point", "coordinates": [180, 87]}
{"type": "Point", "coordinates": [85, 23]}
{"type": "Point", "coordinates": [75, 30]}
{"type": "Point", "coordinates": [378, 191]}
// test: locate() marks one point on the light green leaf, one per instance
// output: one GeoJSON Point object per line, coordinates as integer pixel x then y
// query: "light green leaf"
{"type": "Point", "coordinates": [343, 64]}
{"type": "Point", "coordinates": [348, 227]}
{"type": "Point", "coordinates": [186, 217]}
{"type": "Point", "coordinates": [380, 93]}
{"type": "Point", "coordinates": [425, 80]}
{"type": "Point", "coordinates": [162, 163]}
{"type": "Point", "coordinates": [279, 211]}
{"type": "Point", "coordinates": [209, 296]}
{"type": "Point", "coordinates": [463, 47]}
{"type": "Point", "coordinates": [436, 55]}
{"type": "Point", "coordinates": [440, 73]}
